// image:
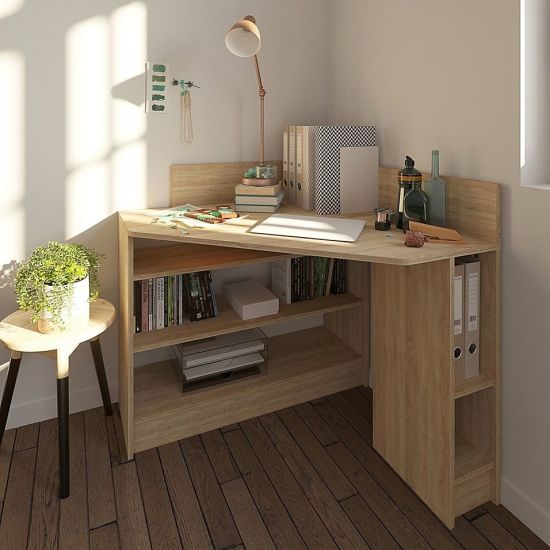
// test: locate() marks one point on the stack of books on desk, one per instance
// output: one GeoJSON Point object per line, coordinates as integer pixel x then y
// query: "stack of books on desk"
{"type": "Point", "coordinates": [251, 198]}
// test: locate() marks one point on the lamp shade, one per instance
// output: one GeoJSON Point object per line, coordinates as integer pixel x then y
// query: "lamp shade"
{"type": "Point", "coordinates": [243, 38]}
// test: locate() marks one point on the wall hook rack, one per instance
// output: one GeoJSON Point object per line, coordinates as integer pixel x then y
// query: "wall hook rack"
{"type": "Point", "coordinates": [185, 84]}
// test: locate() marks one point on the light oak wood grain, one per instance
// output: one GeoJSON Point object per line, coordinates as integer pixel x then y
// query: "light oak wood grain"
{"type": "Point", "coordinates": [302, 365]}
{"type": "Point", "coordinates": [212, 183]}
{"type": "Point", "coordinates": [472, 206]}
{"type": "Point", "coordinates": [371, 246]}
{"type": "Point", "coordinates": [414, 389]}
{"type": "Point", "coordinates": [229, 321]}
{"type": "Point", "coordinates": [187, 258]}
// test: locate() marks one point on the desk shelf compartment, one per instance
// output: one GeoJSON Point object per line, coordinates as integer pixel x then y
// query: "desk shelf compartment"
{"type": "Point", "coordinates": [302, 365]}
{"type": "Point", "coordinates": [475, 449]}
{"type": "Point", "coordinates": [489, 329]}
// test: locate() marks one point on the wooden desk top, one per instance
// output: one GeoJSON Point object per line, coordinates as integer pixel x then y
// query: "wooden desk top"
{"type": "Point", "coordinates": [371, 246]}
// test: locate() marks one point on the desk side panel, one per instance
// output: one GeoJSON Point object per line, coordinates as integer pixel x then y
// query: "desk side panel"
{"type": "Point", "coordinates": [413, 391]}
{"type": "Point", "coordinates": [126, 335]}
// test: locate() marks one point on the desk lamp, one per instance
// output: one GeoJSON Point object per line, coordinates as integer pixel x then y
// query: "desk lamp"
{"type": "Point", "coordinates": [243, 40]}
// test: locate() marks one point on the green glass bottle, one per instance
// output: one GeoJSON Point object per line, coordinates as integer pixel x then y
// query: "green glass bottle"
{"type": "Point", "coordinates": [435, 189]}
{"type": "Point", "coordinates": [417, 206]}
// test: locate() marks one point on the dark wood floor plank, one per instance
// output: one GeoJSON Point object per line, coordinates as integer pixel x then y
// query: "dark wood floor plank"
{"type": "Point", "coordinates": [104, 538]}
{"type": "Point", "coordinates": [383, 506]}
{"type": "Point", "coordinates": [73, 511]}
{"type": "Point", "coordinates": [361, 404]}
{"type": "Point", "coordinates": [496, 534]}
{"type": "Point", "coordinates": [366, 392]}
{"type": "Point", "coordinates": [229, 428]}
{"type": "Point", "coordinates": [310, 526]}
{"type": "Point", "coordinates": [333, 477]}
{"type": "Point", "coordinates": [189, 518]}
{"type": "Point", "coordinates": [14, 528]}
{"type": "Point", "coordinates": [158, 509]}
{"type": "Point", "coordinates": [368, 524]}
{"type": "Point", "coordinates": [515, 526]}
{"type": "Point", "coordinates": [336, 521]}
{"type": "Point", "coordinates": [27, 437]}
{"type": "Point", "coordinates": [424, 521]}
{"type": "Point", "coordinates": [321, 430]}
{"type": "Point", "coordinates": [253, 532]}
{"type": "Point", "coordinates": [101, 500]}
{"type": "Point", "coordinates": [219, 456]}
{"type": "Point", "coordinates": [6, 452]}
{"type": "Point", "coordinates": [214, 507]}
{"type": "Point", "coordinates": [271, 509]}
{"type": "Point", "coordinates": [361, 424]}
{"type": "Point", "coordinates": [469, 536]}
{"type": "Point", "coordinates": [132, 525]}
{"type": "Point", "coordinates": [43, 532]}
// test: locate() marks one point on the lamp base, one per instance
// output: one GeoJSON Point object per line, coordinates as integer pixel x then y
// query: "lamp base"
{"type": "Point", "coordinates": [260, 182]}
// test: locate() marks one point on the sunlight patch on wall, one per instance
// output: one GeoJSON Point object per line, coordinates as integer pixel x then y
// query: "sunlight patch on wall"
{"type": "Point", "coordinates": [88, 92]}
{"type": "Point", "coordinates": [12, 162]}
{"type": "Point", "coordinates": [9, 7]}
{"type": "Point", "coordinates": [129, 46]}
{"type": "Point", "coordinates": [86, 198]}
{"type": "Point", "coordinates": [129, 176]}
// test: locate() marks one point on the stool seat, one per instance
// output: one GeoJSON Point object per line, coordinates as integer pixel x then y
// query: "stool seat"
{"type": "Point", "coordinates": [20, 335]}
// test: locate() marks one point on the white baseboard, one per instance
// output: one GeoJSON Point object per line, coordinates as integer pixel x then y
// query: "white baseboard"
{"type": "Point", "coordinates": [526, 509]}
{"type": "Point", "coordinates": [36, 411]}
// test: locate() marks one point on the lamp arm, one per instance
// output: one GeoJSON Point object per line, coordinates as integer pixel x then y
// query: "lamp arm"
{"type": "Point", "coordinates": [262, 93]}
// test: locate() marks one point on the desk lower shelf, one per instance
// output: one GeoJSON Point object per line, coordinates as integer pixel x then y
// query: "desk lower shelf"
{"type": "Point", "coordinates": [299, 364]}
{"type": "Point", "coordinates": [229, 321]}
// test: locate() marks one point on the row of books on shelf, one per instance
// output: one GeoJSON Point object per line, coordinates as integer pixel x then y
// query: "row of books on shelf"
{"type": "Point", "coordinates": [306, 277]}
{"type": "Point", "coordinates": [172, 300]}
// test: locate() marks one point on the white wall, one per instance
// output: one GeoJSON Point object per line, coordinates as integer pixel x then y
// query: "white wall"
{"type": "Point", "coordinates": [445, 74]}
{"type": "Point", "coordinates": [75, 146]}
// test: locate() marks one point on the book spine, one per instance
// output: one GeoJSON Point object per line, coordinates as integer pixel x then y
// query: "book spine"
{"type": "Point", "coordinates": [137, 306]}
{"type": "Point", "coordinates": [295, 279]}
{"type": "Point", "coordinates": [165, 302]}
{"type": "Point", "coordinates": [144, 305]}
{"type": "Point", "coordinates": [213, 291]}
{"type": "Point", "coordinates": [195, 297]}
{"type": "Point", "coordinates": [160, 302]}
{"type": "Point", "coordinates": [150, 305]}
{"type": "Point", "coordinates": [181, 302]}
{"type": "Point", "coordinates": [187, 296]}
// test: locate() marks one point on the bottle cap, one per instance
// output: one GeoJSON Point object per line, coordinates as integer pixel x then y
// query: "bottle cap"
{"type": "Point", "coordinates": [409, 162]}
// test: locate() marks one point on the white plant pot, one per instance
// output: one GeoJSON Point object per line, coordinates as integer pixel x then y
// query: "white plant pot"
{"type": "Point", "coordinates": [76, 312]}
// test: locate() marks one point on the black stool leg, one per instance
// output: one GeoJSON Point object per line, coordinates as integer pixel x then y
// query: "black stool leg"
{"type": "Point", "coordinates": [8, 391]}
{"type": "Point", "coordinates": [101, 378]}
{"type": "Point", "coordinates": [63, 437]}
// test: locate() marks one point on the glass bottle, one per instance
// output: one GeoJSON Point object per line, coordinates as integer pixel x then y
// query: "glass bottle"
{"type": "Point", "coordinates": [435, 189]}
{"type": "Point", "coordinates": [407, 177]}
{"type": "Point", "coordinates": [417, 206]}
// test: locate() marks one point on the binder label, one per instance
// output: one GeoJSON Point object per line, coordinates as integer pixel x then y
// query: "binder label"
{"type": "Point", "coordinates": [473, 294]}
{"type": "Point", "coordinates": [457, 305]}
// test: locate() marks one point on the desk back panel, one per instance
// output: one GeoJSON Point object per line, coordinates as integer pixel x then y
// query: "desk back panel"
{"type": "Point", "coordinates": [473, 207]}
{"type": "Point", "coordinates": [212, 183]}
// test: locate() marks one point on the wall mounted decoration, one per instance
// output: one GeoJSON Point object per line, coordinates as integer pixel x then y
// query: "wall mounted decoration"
{"type": "Point", "coordinates": [156, 87]}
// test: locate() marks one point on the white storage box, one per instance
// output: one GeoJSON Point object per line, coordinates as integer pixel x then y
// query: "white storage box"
{"type": "Point", "coordinates": [251, 299]}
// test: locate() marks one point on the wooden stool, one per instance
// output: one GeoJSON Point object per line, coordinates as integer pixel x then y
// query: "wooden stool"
{"type": "Point", "coordinates": [20, 335]}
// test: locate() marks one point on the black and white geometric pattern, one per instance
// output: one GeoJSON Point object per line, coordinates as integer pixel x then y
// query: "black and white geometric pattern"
{"type": "Point", "coordinates": [328, 140]}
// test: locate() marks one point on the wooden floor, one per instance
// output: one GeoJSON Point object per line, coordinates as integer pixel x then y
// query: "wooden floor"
{"type": "Point", "coordinates": [305, 477]}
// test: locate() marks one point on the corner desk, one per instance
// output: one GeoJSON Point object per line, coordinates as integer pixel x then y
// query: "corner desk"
{"type": "Point", "coordinates": [441, 437]}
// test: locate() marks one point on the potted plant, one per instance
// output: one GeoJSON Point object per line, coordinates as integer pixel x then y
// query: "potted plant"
{"type": "Point", "coordinates": [56, 284]}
